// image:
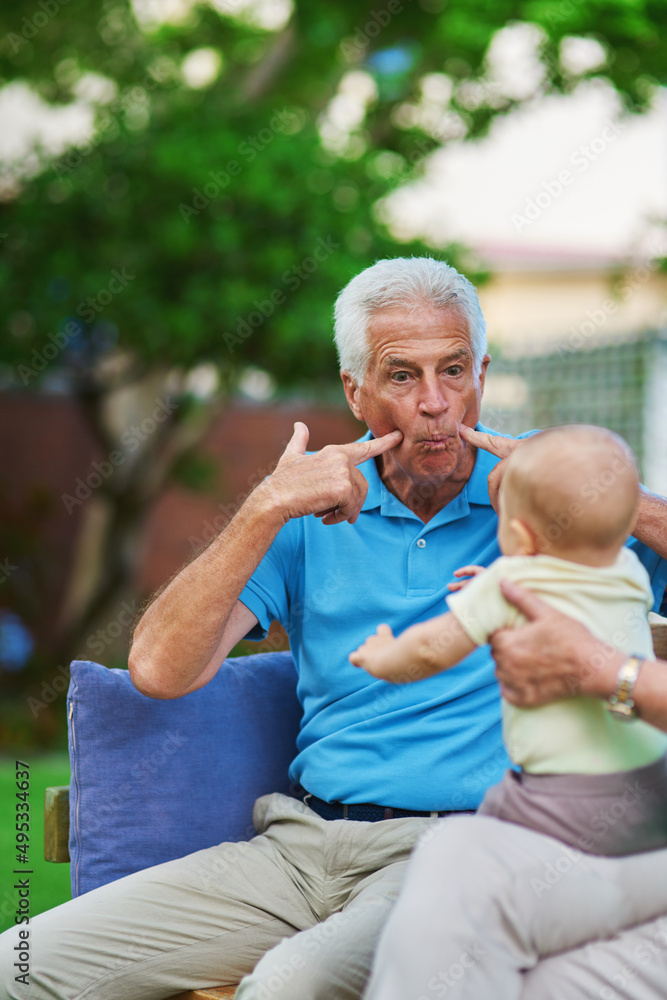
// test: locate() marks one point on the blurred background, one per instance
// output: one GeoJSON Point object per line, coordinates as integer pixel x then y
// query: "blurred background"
{"type": "Point", "coordinates": [184, 188]}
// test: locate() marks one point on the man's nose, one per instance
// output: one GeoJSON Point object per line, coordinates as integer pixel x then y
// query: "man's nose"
{"type": "Point", "coordinates": [432, 400]}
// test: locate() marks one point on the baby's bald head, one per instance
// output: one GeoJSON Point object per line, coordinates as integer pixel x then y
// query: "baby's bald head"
{"type": "Point", "coordinates": [576, 487]}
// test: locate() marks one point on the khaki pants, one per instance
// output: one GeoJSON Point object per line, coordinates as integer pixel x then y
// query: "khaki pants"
{"type": "Point", "coordinates": [208, 918]}
{"type": "Point", "coordinates": [494, 911]}
{"type": "Point", "coordinates": [321, 891]}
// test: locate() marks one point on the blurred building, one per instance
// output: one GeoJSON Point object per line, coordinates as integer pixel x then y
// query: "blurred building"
{"type": "Point", "coordinates": [543, 300]}
{"type": "Point", "coordinates": [577, 338]}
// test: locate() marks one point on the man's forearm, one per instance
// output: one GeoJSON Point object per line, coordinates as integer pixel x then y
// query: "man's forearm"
{"type": "Point", "coordinates": [181, 630]}
{"type": "Point", "coordinates": [651, 526]}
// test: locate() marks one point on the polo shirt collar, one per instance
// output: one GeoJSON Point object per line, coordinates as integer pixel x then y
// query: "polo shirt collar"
{"type": "Point", "coordinates": [475, 491]}
{"type": "Point", "coordinates": [370, 473]}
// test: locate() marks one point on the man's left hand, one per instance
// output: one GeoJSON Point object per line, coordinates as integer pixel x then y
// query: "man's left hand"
{"type": "Point", "coordinates": [551, 657]}
{"type": "Point", "coordinates": [502, 447]}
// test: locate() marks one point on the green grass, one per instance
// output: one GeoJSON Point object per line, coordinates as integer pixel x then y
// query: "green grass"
{"type": "Point", "coordinates": [49, 883]}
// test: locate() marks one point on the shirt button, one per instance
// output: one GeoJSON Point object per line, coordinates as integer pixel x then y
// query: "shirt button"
{"type": "Point", "coordinates": [421, 542]}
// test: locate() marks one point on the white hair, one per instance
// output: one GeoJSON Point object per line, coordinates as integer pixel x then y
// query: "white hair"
{"type": "Point", "coordinates": [401, 282]}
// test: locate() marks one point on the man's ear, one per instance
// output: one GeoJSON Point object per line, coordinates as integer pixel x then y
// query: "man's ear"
{"type": "Point", "coordinates": [352, 391]}
{"type": "Point", "coordinates": [482, 375]}
{"type": "Point", "coordinates": [525, 536]}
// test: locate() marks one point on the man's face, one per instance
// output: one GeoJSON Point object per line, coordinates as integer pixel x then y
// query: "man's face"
{"type": "Point", "coordinates": [420, 381]}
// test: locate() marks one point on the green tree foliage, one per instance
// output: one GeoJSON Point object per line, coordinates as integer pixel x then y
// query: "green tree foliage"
{"type": "Point", "coordinates": [249, 143]}
{"type": "Point", "coordinates": [216, 221]}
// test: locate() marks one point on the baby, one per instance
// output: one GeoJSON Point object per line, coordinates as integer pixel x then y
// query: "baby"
{"type": "Point", "coordinates": [588, 776]}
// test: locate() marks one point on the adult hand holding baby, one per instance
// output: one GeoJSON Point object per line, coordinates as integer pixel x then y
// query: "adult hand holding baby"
{"type": "Point", "coordinates": [551, 657]}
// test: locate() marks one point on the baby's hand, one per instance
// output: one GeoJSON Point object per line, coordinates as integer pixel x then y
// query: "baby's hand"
{"type": "Point", "coordinates": [469, 571]}
{"type": "Point", "coordinates": [375, 655]}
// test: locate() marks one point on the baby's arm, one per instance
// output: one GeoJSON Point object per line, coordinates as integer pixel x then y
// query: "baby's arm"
{"type": "Point", "coordinates": [470, 572]}
{"type": "Point", "coordinates": [421, 651]}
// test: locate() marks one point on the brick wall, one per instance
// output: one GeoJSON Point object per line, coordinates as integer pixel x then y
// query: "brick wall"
{"type": "Point", "coordinates": [45, 445]}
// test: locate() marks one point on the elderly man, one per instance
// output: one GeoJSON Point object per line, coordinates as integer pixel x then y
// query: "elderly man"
{"type": "Point", "coordinates": [329, 544]}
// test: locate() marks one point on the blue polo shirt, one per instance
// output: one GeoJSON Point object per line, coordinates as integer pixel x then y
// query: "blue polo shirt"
{"type": "Point", "coordinates": [434, 744]}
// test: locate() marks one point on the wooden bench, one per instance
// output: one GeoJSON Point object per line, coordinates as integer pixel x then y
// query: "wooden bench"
{"type": "Point", "coordinates": [56, 830]}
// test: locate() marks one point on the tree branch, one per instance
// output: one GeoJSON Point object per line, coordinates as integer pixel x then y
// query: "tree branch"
{"type": "Point", "coordinates": [262, 77]}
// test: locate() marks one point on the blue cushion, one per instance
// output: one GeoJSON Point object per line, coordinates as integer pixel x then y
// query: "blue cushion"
{"type": "Point", "coordinates": [154, 780]}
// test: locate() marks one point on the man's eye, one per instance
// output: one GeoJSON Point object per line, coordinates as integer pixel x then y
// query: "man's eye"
{"type": "Point", "coordinates": [454, 370]}
{"type": "Point", "coordinates": [400, 376]}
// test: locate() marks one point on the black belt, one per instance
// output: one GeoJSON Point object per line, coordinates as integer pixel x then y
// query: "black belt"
{"type": "Point", "coordinates": [366, 812]}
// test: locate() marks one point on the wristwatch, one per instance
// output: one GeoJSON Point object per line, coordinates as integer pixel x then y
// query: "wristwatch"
{"type": "Point", "coordinates": [621, 703]}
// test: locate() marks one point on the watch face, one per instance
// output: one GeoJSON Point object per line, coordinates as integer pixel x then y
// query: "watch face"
{"type": "Point", "coordinates": [621, 709]}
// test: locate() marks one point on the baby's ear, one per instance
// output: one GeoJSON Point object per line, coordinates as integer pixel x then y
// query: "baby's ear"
{"type": "Point", "coordinates": [526, 538]}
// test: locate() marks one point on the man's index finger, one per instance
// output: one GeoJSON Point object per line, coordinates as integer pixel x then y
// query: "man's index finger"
{"type": "Point", "coordinates": [496, 444]}
{"type": "Point", "coordinates": [361, 451]}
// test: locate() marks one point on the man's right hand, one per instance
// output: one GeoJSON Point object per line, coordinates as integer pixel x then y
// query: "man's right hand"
{"type": "Point", "coordinates": [326, 483]}
{"type": "Point", "coordinates": [191, 626]}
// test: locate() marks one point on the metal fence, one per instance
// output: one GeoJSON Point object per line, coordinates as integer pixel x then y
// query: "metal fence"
{"type": "Point", "coordinates": [620, 384]}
